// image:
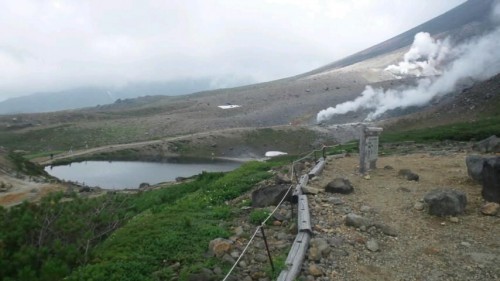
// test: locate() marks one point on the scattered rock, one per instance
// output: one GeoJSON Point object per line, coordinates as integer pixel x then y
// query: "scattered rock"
{"type": "Point", "coordinates": [372, 245]}
{"type": "Point", "coordinates": [488, 145]}
{"type": "Point", "coordinates": [365, 209]}
{"type": "Point", "coordinates": [408, 175]}
{"type": "Point", "coordinates": [335, 201]}
{"type": "Point", "coordinates": [446, 202]}
{"type": "Point", "coordinates": [388, 167]}
{"type": "Point", "coordinates": [180, 179]}
{"type": "Point", "coordinates": [491, 180]}
{"type": "Point", "coordinates": [310, 190]}
{"type": "Point", "coordinates": [314, 254]}
{"type": "Point", "coordinates": [454, 219]}
{"type": "Point", "coordinates": [220, 246]}
{"type": "Point", "coordinates": [144, 185]}
{"type": "Point", "coordinates": [315, 270]}
{"type": "Point", "coordinates": [465, 244]}
{"type": "Point", "coordinates": [357, 221]}
{"type": "Point", "coordinates": [475, 167]}
{"type": "Point", "coordinates": [238, 231]}
{"type": "Point", "coordinates": [386, 229]}
{"type": "Point", "coordinates": [367, 177]}
{"type": "Point", "coordinates": [339, 185]}
{"type": "Point", "coordinates": [282, 179]}
{"type": "Point", "coordinates": [490, 209]}
{"type": "Point", "coordinates": [268, 196]}
{"type": "Point", "coordinates": [419, 206]}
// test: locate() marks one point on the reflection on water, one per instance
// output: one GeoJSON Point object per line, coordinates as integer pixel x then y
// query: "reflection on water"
{"type": "Point", "coordinates": [125, 174]}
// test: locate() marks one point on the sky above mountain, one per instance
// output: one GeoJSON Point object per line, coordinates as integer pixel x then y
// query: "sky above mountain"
{"type": "Point", "coordinates": [55, 45]}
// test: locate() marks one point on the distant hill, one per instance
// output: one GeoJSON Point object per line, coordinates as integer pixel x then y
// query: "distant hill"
{"type": "Point", "coordinates": [92, 96]}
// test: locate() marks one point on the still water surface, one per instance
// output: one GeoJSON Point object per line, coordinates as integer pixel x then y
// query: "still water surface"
{"type": "Point", "coordinates": [127, 174]}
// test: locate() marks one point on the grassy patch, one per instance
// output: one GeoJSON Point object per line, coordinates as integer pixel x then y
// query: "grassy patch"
{"type": "Point", "coordinates": [178, 232]}
{"type": "Point", "coordinates": [258, 216]}
{"type": "Point", "coordinates": [65, 137]}
{"type": "Point", "coordinates": [464, 131]}
{"type": "Point", "coordinates": [26, 167]}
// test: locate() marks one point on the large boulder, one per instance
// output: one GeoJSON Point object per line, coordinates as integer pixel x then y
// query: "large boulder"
{"type": "Point", "coordinates": [476, 163]}
{"type": "Point", "coordinates": [269, 196]}
{"type": "Point", "coordinates": [491, 144]}
{"type": "Point", "coordinates": [339, 185]}
{"type": "Point", "coordinates": [446, 202]}
{"type": "Point", "coordinates": [491, 180]}
{"type": "Point", "coordinates": [475, 167]}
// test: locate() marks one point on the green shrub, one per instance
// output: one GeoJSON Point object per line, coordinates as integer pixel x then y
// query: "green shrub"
{"type": "Point", "coordinates": [257, 216]}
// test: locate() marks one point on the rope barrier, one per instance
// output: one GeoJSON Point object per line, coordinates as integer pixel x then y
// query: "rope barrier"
{"type": "Point", "coordinates": [274, 211]}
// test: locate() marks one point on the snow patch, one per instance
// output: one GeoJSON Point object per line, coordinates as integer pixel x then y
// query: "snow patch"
{"type": "Point", "coordinates": [275, 153]}
{"type": "Point", "coordinates": [229, 106]}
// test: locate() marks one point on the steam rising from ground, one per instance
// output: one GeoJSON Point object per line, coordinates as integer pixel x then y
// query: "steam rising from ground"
{"type": "Point", "coordinates": [477, 60]}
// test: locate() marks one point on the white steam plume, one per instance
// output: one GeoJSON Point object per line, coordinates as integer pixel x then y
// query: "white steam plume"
{"type": "Point", "coordinates": [477, 60]}
{"type": "Point", "coordinates": [424, 57]}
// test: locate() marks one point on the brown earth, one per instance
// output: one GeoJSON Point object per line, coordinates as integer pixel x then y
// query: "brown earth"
{"type": "Point", "coordinates": [426, 247]}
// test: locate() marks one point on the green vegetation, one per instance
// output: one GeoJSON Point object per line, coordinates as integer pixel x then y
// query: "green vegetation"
{"type": "Point", "coordinates": [258, 216]}
{"type": "Point", "coordinates": [65, 137]}
{"type": "Point", "coordinates": [26, 167]}
{"type": "Point", "coordinates": [120, 236]}
{"type": "Point", "coordinates": [464, 131]}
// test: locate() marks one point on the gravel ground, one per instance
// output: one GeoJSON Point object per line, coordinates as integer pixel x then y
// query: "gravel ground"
{"type": "Point", "coordinates": [425, 247]}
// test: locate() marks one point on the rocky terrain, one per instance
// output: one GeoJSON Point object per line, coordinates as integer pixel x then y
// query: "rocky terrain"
{"type": "Point", "coordinates": [381, 229]}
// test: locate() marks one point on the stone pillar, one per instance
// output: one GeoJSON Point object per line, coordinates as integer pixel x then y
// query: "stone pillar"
{"type": "Point", "coordinates": [368, 148]}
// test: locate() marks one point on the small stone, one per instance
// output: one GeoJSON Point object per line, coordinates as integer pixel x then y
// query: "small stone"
{"type": "Point", "coordinates": [372, 245]}
{"type": "Point", "coordinates": [388, 167]}
{"type": "Point", "coordinates": [220, 246]}
{"type": "Point", "coordinates": [315, 270]}
{"type": "Point", "coordinates": [356, 221]}
{"type": "Point", "coordinates": [276, 223]}
{"type": "Point", "coordinates": [260, 258]}
{"type": "Point", "coordinates": [242, 264]}
{"type": "Point", "coordinates": [339, 185]}
{"type": "Point", "coordinates": [365, 209]}
{"type": "Point", "coordinates": [228, 259]}
{"type": "Point", "coordinates": [335, 201]}
{"type": "Point", "coordinates": [490, 209]}
{"type": "Point", "coordinates": [419, 206]}
{"type": "Point", "coordinates": [314, 254]}
{"type": "Point", "coordinates": [238, 231]}
{"type": "Point", "coordinates": [367, 177]}
{"type": "Point", "coordinates": [235, 254]}
{"type": "Point", "coordinates": [465, 244]}
{"type": "Point", "coordinates": [387, 229]}
{"type": "Point", "coordinates": [454, 219]}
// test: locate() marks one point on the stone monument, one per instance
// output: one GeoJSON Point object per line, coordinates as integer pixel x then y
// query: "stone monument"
{"type": "Point", "coordinates": [368, 148]}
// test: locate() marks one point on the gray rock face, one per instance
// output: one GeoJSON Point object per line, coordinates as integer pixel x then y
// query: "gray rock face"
{"type": "Point", "coordinates": [339, 185]}
{"type": "Point", "coordinates": [491, 180]}
{"type": "Point", "coordinates": [268, 196]}
{"type": "Point", "coordinates": [446, 202]}
{"type": "Point", "coordinates": [491, 144]}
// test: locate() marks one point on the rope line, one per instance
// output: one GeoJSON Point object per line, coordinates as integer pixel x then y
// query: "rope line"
{"type": "Point", "coordinates": [274, 211]}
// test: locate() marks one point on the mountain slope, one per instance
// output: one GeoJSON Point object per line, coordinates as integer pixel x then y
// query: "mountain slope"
{"type": "Point", "coordinates": [471, 15]}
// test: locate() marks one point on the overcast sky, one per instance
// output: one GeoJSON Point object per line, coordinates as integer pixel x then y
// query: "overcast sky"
{"type": "Point", "coordinates": [55, 45]}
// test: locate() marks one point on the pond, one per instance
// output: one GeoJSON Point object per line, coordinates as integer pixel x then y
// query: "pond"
{"type": "Point", "coordinates": [130, 174]}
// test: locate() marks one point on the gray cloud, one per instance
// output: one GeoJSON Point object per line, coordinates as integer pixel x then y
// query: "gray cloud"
{"type": "Point", "coordinates": [53, 45]}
